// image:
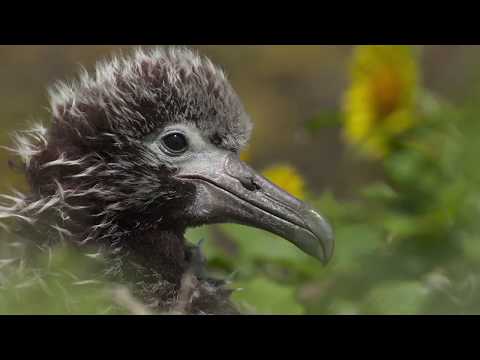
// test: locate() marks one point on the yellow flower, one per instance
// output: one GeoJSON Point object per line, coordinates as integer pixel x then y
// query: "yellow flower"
{"type": "Point", "coordinates": [380, 103]}
{"type": "Point", "coordinates": [287, 178]}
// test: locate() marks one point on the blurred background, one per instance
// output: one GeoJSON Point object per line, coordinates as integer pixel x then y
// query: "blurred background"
{"type": "Point", "coordinates": [381, 139]}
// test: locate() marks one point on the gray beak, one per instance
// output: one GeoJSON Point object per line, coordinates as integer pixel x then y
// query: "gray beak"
{"type": "Point", "coordinates": [230, 191]}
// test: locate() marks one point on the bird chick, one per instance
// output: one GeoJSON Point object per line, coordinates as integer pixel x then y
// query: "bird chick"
{"type": "Point", "coordinates": [140, 150]}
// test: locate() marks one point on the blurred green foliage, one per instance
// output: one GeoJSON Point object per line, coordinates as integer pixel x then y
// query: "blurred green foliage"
{"type": "Point", "coordinates": [405, 244]}
{"type": "Point", "coordinates": [407, 241]}
{"type": "Point", "coordinates": [58, 281]}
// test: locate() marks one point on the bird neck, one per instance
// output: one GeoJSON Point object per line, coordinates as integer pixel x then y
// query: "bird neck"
{"type": "Point", "coordinates": [159, 253]}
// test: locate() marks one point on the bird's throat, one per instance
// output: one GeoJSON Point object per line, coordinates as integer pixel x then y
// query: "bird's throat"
{"type": "Point", "coordinates": [160, 252]}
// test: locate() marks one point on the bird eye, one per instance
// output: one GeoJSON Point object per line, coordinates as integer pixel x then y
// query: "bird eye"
{"type": "Point", "coordinates": [175, 142]}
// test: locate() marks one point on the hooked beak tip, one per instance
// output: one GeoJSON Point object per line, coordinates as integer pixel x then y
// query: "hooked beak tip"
{"type": "Point", "coordinates": [323, 246]}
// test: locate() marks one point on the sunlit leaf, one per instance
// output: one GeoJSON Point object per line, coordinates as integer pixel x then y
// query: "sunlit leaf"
{"type": "Point", "coordinates": [263, 296]}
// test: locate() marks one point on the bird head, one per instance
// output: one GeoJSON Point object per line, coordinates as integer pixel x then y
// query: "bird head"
{"type": "Point", "coordinates": [152, 141]}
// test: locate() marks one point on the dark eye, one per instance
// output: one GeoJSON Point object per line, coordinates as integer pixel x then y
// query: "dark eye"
{"type": "Point", "coordinates": [175, 142]}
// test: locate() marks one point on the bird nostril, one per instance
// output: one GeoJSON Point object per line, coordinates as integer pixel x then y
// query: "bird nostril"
{"type": "Point", "coordinates": [250, 184]}
{"type": "Point", "coordinates": [240, 171]}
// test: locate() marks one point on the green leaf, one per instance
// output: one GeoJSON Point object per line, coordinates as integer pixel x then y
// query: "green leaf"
{"type": "Point", "coordinates": [263, 296]}
{"type": "Point", "coordinates": [354, 242]}
{"type": "Point", "coordinates": [399, 225]}
{"type": "Point", "coordinates": [401, 297]}
{"type": "Point", "coordinates": [254, 244]}
{"type": "Point", "coordinates": [379, 191]}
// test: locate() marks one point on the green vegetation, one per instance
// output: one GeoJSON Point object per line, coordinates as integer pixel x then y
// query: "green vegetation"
{"type": "Point", "coordinates": [407, 240]}
{"type": "Point", "coordinates": [405, 244]}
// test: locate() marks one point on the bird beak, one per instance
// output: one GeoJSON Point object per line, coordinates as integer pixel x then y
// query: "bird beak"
{"type": "Point", "coordinates": [228, 190]}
